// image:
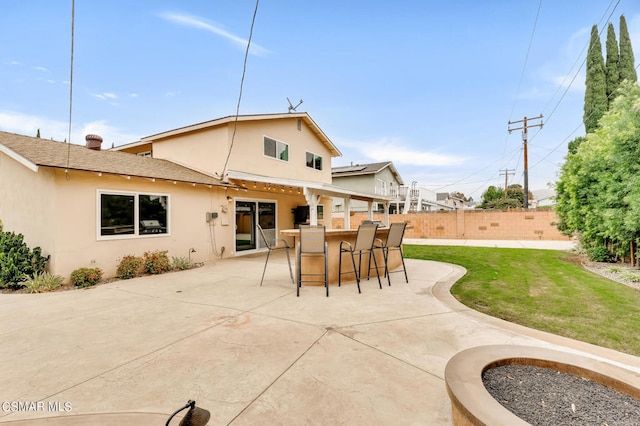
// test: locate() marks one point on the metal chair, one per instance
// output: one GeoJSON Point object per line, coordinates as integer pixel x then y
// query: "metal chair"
{"type": "Point", "coordinates": [275, 246]}
{"type": "Point", "coordinates": [313, 244]}
{"type": "Point", "coordinates": [393, 242]}
{"type": "Point", "coordinates": [365, 239]}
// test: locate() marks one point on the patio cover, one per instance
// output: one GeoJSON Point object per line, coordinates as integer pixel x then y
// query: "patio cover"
{"type": "Point", "coordinates": [314, 190]}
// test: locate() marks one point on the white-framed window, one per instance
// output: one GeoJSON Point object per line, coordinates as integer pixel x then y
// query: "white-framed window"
{"type": "Point", "coordinates": [276, 149]}
{"type": "Point", "coordinates": [122, 214]}
{"type": "Point", "coordinates": [314, 161]}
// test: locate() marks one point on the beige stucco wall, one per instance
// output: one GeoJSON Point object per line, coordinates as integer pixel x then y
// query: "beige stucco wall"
{"type": "Point", "coordinates": [27, 201]}
{"type": "Point", "coordinates": [76, 222]}
{"type": "Point", "coordinates": [203, 150]}
{"type": "Point", "coordinates": [206, 150]}
{"type": "Point", "coordinates": [78, 245]}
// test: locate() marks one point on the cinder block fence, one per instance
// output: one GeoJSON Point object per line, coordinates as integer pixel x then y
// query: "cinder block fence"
{"type": "Point", "coordinates": [473, 224]}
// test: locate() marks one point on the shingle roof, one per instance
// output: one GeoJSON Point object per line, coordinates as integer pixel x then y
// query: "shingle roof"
{"type": "Point", "coordinates": [335, 152]}
{"type": "Point", "coordinates": [47, 153]}
{"type": "Point", "coordinates": [365, 169]}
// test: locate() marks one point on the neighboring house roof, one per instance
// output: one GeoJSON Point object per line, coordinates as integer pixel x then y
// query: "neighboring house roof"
{"type": "Point", "coordinates": [365, 169]}
{"type": "Point", "coordinates": [231, 119]}
{"type": "Point", "coordinates": [315, 187]}
{"type": "Point", "coordinates": [543, 194]}
{"type": "Point", "coordinates": [35, 152]}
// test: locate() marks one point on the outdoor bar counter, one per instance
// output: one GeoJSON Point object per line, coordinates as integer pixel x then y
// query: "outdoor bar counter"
{"type": "Point", "coordinates": [334, 237]}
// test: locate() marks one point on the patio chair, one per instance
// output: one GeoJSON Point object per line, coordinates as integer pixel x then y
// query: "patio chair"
{"type": "Point", "coordinates": [313, 244]}
{"type": "Point", "coordinates": [393, 242]}
{"type": "Point", "coordinates": [275, 245]}
{"type": "Point", "coordinates": [365, 239]}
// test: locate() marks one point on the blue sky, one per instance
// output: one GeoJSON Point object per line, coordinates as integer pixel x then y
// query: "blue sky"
{"type": "Point", "coordinates": [428, 85]}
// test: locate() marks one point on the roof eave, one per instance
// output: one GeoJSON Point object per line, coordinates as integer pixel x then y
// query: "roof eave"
{"type": "Point", "coordinates": [19, 158]}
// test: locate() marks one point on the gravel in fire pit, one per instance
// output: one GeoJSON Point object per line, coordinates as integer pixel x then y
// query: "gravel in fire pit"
{"type": "Point", "coordinates": [543, 396]}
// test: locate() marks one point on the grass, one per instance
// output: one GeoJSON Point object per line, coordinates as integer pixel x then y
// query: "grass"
{"type": "Point", "coordinates": [543, 289]}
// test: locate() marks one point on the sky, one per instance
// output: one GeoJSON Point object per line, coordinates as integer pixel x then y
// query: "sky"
{"type": "Point", "coordinates": [430, 86]}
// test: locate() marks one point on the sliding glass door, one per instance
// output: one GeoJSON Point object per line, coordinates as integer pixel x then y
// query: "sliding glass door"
{"type": "Point", "coordinates": [250, 213]}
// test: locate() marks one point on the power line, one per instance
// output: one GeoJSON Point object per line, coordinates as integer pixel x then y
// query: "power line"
{"type": "Point", "coordinates": [223, 175]}
{"type": "Point", "coordinates": [524, 68]}
{"type": "Point", "coordinates": [73, 8]}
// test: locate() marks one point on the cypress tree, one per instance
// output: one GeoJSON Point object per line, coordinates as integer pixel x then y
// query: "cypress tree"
{"type": "Point", "coordinates": [627, 62]}
{"type": "Point", "coordinates": [611, 69]}
{"type": "Point", "coordinates": [595, 95]}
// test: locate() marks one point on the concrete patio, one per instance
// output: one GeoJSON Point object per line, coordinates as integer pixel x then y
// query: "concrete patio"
{"type": "Point", "coordinates": [132, 352]}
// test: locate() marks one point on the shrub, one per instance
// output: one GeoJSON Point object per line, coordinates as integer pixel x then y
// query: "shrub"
{"type": "Point", "coordinates": [85, 277]}
{"type": "Point", "coordinates": [156, 262]}
{"type": "Point", "coordinates": [42, 282]}
{"type": "Point", "coordinates": [599, 254]}
{"type": "Point", "coordinates": [129, 267]}
{"type": "Point", "coordinates": [18, 260]}
{"type": "Point", "coordinates": [632, 276]}
{"type": "Point", "coordinates": [180, 263]}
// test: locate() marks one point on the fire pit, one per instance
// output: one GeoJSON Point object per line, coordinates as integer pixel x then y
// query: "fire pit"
{"type": "Point", "coordinates": [472, 404]}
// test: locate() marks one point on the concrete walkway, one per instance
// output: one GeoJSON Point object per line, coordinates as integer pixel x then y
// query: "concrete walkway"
{"type": "Point", "coordinates": [139, 349]}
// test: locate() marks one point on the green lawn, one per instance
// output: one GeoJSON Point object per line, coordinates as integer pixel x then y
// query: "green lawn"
{"type": "Point", "coordinates": [543, 289]}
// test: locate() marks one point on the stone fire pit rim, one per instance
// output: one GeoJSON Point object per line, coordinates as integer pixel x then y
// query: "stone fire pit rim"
{"type": "Point", "coordinates": [472, 404]}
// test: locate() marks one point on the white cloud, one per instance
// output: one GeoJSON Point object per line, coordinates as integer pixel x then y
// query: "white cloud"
{"type": "Point", "coordinates": [43, 69]}
{"type": "Point", "coordinates": [105, 96]}
{"type": "Point", "coordinates": [24, 124]}
{"type": "Point", "coordinates": [133, 95]}
{"type": "Point", "coordinates": [110, 134]}
{"type": "Point", "coordinates": [391, 149]}
{"type": "Point", "coordinates": [200, 23]}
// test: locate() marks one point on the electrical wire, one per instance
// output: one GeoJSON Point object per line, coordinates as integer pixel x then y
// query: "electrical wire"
{"type": "Point", "coordinates": [562, 84]}
{"type": "Point", "coordinates": [551, 114]}
{"type": "Point", "coordinates": [73, 8]}
{"type": "Point", "coordinates": [524, 68]}
{"type": "Point", "coordinates": [526, 60]}
{"type": "Point", "coordinates": [244, 71]}
{"type": "Point", "coordinates": [548, 116]}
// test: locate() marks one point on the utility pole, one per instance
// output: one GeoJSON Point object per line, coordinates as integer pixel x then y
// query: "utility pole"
{"type": "Point", "coordinates": [525, 126]}
{"type": "Point", "coordinates": [506, 173]}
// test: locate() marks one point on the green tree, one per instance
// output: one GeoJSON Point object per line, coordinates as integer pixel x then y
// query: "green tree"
{"type": "Point", "coordinates": [495, 198]}
{"type": "Point", "coordinates": [574, 144]}
{"type": "Point", "coordinates": [612, 73]}
{"type": "Point", "coordinates": [595, 96]}
{"type": "Point", "coordinates": [598, 191]}
{"type": "Point", "coordinates": [626, 64]}
{"type": "Point", "coordinates": [38, 134]}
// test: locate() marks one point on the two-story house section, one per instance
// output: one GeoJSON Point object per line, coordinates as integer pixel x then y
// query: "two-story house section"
{"type": "Point", "coordinates": [379, 178]}
{"type": "Point", "coordinates": [199, 191]}
{"type": "Point", "coordinates": [281, 162]}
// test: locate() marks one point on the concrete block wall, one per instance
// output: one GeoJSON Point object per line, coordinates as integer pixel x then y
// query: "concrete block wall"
{"type": "Point", "coordinates": [473, 224]}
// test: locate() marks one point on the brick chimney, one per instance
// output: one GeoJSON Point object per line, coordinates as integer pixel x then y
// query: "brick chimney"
{"type": "Point", "coordinates": [93, 142]}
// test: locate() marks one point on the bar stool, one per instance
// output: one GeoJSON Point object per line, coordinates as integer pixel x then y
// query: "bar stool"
{"type": "Point", "coordinates": [365, 239]}
{"type": "Point", "coordinates": [274, 246]}
{"type": "Point", "coordinates": [313, 244]}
